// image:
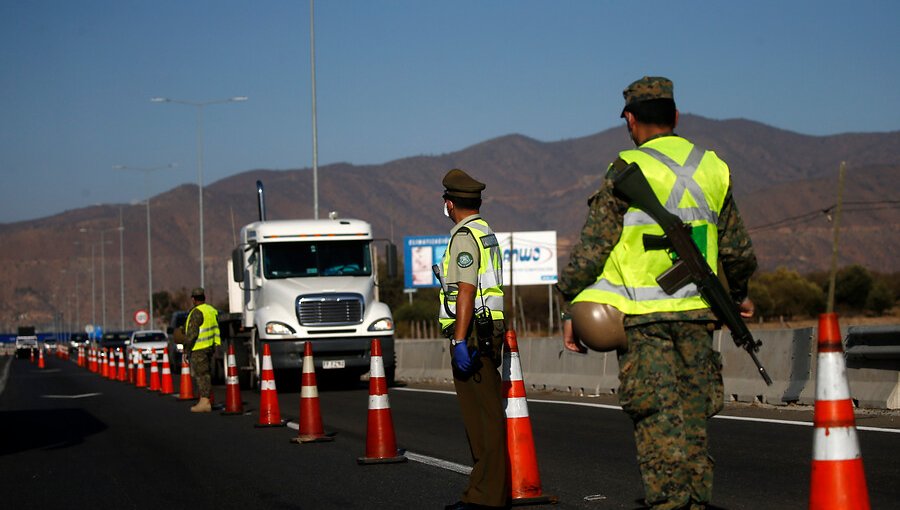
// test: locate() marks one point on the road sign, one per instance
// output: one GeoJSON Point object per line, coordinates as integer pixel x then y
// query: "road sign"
{"type": "Point", "coordinates": [141, 317]}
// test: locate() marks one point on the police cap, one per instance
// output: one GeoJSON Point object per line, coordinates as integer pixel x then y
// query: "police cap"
{"type": "Point", "coordinates": [198, 292]}
{"type": "Point", "coordinates": [457, 183]}
{"type": "Point", "coordinates": [647, 88]}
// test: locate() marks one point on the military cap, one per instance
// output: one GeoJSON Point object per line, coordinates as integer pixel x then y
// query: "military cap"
{"type": "Point", "coordinates": [198, 292]}
{"type": "Point", "coordinates": [457, 183]}
{"type": "Point", "coordinates": [648, 87]}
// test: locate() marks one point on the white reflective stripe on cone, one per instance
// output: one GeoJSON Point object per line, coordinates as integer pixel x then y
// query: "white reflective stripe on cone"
{"type": "Point", "coordinates": [308, 365]}
{"type": "Point", "coordinates": [835, 443]}
{"type": "Point", "coordinates": [376, 367]}
{"type": "Point", "coordinates": [831, 377]}
{"type": "Point", "coordinates": [379, 402]}
{"type": "Point", "coordinates": [267, 363]}
{"type": "Point", "coordinates": [516, 407]}
{"type": "Point", "coordinates": [231, 380]}
{"type": "Point", "coordinates": [512, 371]}
{"type": "Point", "coordinates": [231, 362]}
{"type": "Point", "coordinates": [309, 392]}
{"type": "Point", "coordinates": [267, 385]}
{"type": "Point", "coordinates": [166, 370]}
{"type": "Point", "coordinates": [185, 370]}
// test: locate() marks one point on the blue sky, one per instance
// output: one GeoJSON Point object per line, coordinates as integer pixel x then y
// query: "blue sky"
{"type": "Point", "coordinates": [398, 78]}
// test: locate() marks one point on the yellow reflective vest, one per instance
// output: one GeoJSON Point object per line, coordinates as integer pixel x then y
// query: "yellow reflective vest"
{"type": "Point", "coordinates": [209, 330]}
{"type": "Point", "coordinates": [692, 184]}
{"type": "Point", "coordinates": [489, 290]}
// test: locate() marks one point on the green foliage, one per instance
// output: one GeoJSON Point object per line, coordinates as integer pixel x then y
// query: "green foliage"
{"type": "Point", "coordinates": [789, 294]}
{"type": "Point", "coordinates": [852, 286]}
{"type": "Point", "coordinates": [880, 298]}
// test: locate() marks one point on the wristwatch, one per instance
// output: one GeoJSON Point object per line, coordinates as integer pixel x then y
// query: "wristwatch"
{"type": "Point", "coordinates": [454, 342]}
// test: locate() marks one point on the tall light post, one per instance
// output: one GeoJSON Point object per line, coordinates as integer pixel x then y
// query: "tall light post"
{"type": "Point", "coordinates": [121, 273]}
{"type": "Point", "coordinates": [199, 105]}
{"type": "Point", "coordinates": [315, 134]}
{"type": "Point", "coordinates": [103, 273]}
{"type": "Point", "coordinates": [146, 172]}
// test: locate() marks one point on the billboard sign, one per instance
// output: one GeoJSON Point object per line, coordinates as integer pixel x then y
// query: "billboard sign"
{"type": "Point", "coordinates": [530, 255]}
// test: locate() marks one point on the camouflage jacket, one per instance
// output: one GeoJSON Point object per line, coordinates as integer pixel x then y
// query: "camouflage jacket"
{"type": "Point", "coordinates": [603, 228]}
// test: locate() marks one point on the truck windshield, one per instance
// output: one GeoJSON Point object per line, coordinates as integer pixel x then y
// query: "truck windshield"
{"type": "Point", "coordinates": [317, 258]}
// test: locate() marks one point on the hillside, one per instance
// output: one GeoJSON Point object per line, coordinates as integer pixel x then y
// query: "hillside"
{"type": "Point", "coordinates": [531, 185]}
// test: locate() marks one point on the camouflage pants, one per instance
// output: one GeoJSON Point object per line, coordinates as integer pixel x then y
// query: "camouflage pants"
{"type": "Point", "coordinates": [671, 383]}
{"type": "Point", "coordinates": [201, 362]}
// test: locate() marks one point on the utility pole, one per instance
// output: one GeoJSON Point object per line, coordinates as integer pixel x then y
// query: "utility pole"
{"type": "Point", "coordinates": [834, 244]}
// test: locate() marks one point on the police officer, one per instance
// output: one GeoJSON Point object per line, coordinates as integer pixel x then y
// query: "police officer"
{"type": "Point", "coordinates": [201, 339]}
{"type": "Point", "coordinates": [670, 377]}
{"type": "Point", "coordinates": [471, 316]}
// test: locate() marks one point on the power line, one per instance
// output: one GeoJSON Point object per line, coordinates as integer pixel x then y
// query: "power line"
{"type": "Point", "coordinates": [873, 205]}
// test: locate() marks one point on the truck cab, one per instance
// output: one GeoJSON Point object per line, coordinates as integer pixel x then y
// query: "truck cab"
{"type": "Point", "coordinates": [294, 281]}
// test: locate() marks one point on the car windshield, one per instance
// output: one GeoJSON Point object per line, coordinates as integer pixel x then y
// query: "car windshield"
{"type": "Point", "coordinates": [149, 337]}
{"type": "Point", "coordinates": [324, 258]}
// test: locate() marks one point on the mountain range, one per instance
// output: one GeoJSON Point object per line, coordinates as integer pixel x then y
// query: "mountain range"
{"type": "Point", "coordinates": [785, 184]}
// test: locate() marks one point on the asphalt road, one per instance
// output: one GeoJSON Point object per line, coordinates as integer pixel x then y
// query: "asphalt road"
{"type": "Point", "coordinates": [70, 439]}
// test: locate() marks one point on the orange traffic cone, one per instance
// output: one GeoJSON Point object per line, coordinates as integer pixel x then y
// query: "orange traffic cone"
{"type": "Point", "coordinates": [233, 403]}
{"type": "Point", "coordinates": [166, 386]}
{"type": "Point", "coordinates": [92, 362]}
{"type": "Point", "coordinates": [40, 358]}
{"type": "Point", "coordinates": [837, 480]}
{"type": "Point", "coordinates": [122, 374]}
{"type": "Point", "coordinates": [32, 355]}
{"type": "Point", "coordinates": [111, 365]}
{"type": "Point", "coordinates": [154, 372]}
{"type": "Point", "coordinates": [103, 365]}
{"type": "Point", "coordinates": [525, 482]}
{"type": "Point", "coordinates": [186, 385]}
{"type": "Point", "coordinates": [381, 443]}
{"type": "Point", "coordinates": [310, 430]}
{"type": "Point", "coordinates": [130, 367]}
{"type": "Point", "coordinates": [269, 412]}
{"type": "Point", "coordinates": [80, 356]}
{"type": "Point", "coordinates": [140, 379]}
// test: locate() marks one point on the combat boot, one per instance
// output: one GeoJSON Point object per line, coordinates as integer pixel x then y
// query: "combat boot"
{"type": "Point", "coordinates": [203, 406]}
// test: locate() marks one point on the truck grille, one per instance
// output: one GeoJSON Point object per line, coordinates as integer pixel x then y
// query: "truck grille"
{"type": "Point", "coordinates": [330, 309]}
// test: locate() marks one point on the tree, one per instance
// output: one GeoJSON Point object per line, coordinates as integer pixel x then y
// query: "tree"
{"type": "Point", "coordinates": [880, 298]}
{"type": "Point", "coordinates": [852, 286]}
{"type": "Point", "coordinates": [791, 294]}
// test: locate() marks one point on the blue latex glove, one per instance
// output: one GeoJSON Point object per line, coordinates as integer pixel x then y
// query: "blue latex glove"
{"type": "Point", "coordinates": [463, 358]}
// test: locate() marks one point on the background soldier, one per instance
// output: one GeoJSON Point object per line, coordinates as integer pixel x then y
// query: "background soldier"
{"type": "Point", "coordinates": [670, 377]}
{"type": "Point", "coordinates": [201, 339]}
{"type": "Point", "coordinates": [471, 316]}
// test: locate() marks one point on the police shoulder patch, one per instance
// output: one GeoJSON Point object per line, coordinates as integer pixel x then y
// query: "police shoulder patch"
{"type": "Point", "coordinates": [464, 259]}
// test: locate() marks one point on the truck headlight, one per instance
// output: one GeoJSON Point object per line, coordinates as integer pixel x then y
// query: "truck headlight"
{"type": "Point", "coordinates": [278, 328]}
{"type": "Point", "coordinates": [385, 324]}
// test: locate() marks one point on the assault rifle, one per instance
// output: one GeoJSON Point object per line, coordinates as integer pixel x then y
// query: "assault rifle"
{"type": "Point", "coordinates": [691, 266]}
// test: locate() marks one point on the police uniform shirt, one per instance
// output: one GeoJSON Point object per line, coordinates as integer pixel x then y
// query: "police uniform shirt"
{"type": "Point", "coordinates": [463, 254]}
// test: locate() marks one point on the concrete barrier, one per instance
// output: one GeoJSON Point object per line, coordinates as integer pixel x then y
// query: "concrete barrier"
{"type": "Point", "coordinates": [787, 354]}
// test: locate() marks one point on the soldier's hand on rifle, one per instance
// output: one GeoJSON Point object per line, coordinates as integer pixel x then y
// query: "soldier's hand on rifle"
{"type": "Point", "coordinates": [569, 341]}
{"type": "Point", "coordinates": [747, 308]}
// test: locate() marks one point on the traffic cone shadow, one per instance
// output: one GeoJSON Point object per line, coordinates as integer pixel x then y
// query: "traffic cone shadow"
{"type": "Point", "coordinates": [381, 442]}
{"type": "Point", "coordinates": [269, 411]}
{"type": "Point", "coordinates": [310, 429]}
{"type": "Point", "coordinates": [522, 468]}
{"type": "Point", "coordinates": [837, 480]}
{"type": "Point", "coordinates": [233, 404]}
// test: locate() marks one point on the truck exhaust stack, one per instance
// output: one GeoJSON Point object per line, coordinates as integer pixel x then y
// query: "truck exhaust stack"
{"type": "Point", "coordinates": [261, 201]}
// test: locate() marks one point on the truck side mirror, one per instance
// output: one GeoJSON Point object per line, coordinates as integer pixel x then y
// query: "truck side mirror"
{"type": "Point", "coordinates": [392, 260]}
{"type": "Point", "coordinates": [237, 264]}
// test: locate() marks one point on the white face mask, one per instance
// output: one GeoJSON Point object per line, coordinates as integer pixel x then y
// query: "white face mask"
{"type": "Point", "coordinates": [446, 212]}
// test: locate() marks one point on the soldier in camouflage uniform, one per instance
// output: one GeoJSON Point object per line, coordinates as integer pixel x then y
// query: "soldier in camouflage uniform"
{"type": "Point", "coordinates": [201, 338]}
{"type": "Point", "coordinates": [670, 377]}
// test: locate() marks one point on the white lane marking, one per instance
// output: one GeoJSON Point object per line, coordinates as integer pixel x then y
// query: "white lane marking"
{"type": "Point", "coordinates": [83, 395]}
{"type": "Point", "coordinates": [440, 463]}
{"type": "Point", "coordinates": [618, 408]}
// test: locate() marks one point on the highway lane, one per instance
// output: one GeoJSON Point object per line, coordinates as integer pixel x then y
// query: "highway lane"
{"type": "Point", "coordinates": [71, 439]}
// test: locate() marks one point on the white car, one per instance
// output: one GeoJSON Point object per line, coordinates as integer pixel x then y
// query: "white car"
{"type": "Point", "coordinates": [146, 341]}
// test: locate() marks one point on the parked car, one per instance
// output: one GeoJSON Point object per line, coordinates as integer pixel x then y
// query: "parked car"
{"type": "Point", "coordinates": [116, 340]}
{"type": "Point", "coordinates": [25, 344]}
{"type": "Point", "coordinates": [77, 340]}
{"type": "Point", "coordinates": [147, 341]}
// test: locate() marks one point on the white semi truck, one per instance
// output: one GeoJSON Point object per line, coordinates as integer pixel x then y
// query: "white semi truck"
{"type": "Point", "coordinates": [297, 281]}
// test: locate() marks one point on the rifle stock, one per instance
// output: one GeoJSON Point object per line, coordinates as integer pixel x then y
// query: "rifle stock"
{"type": "Point", "coordinates": [691, 266]}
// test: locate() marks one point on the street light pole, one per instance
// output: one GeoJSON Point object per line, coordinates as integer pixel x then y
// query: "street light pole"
{"type": "Point", "coordinates": [121, 272]}
{"type": "Point", "coordinates": [199, 106]}
{"type": "Point", "coordinates": [146, 172]}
